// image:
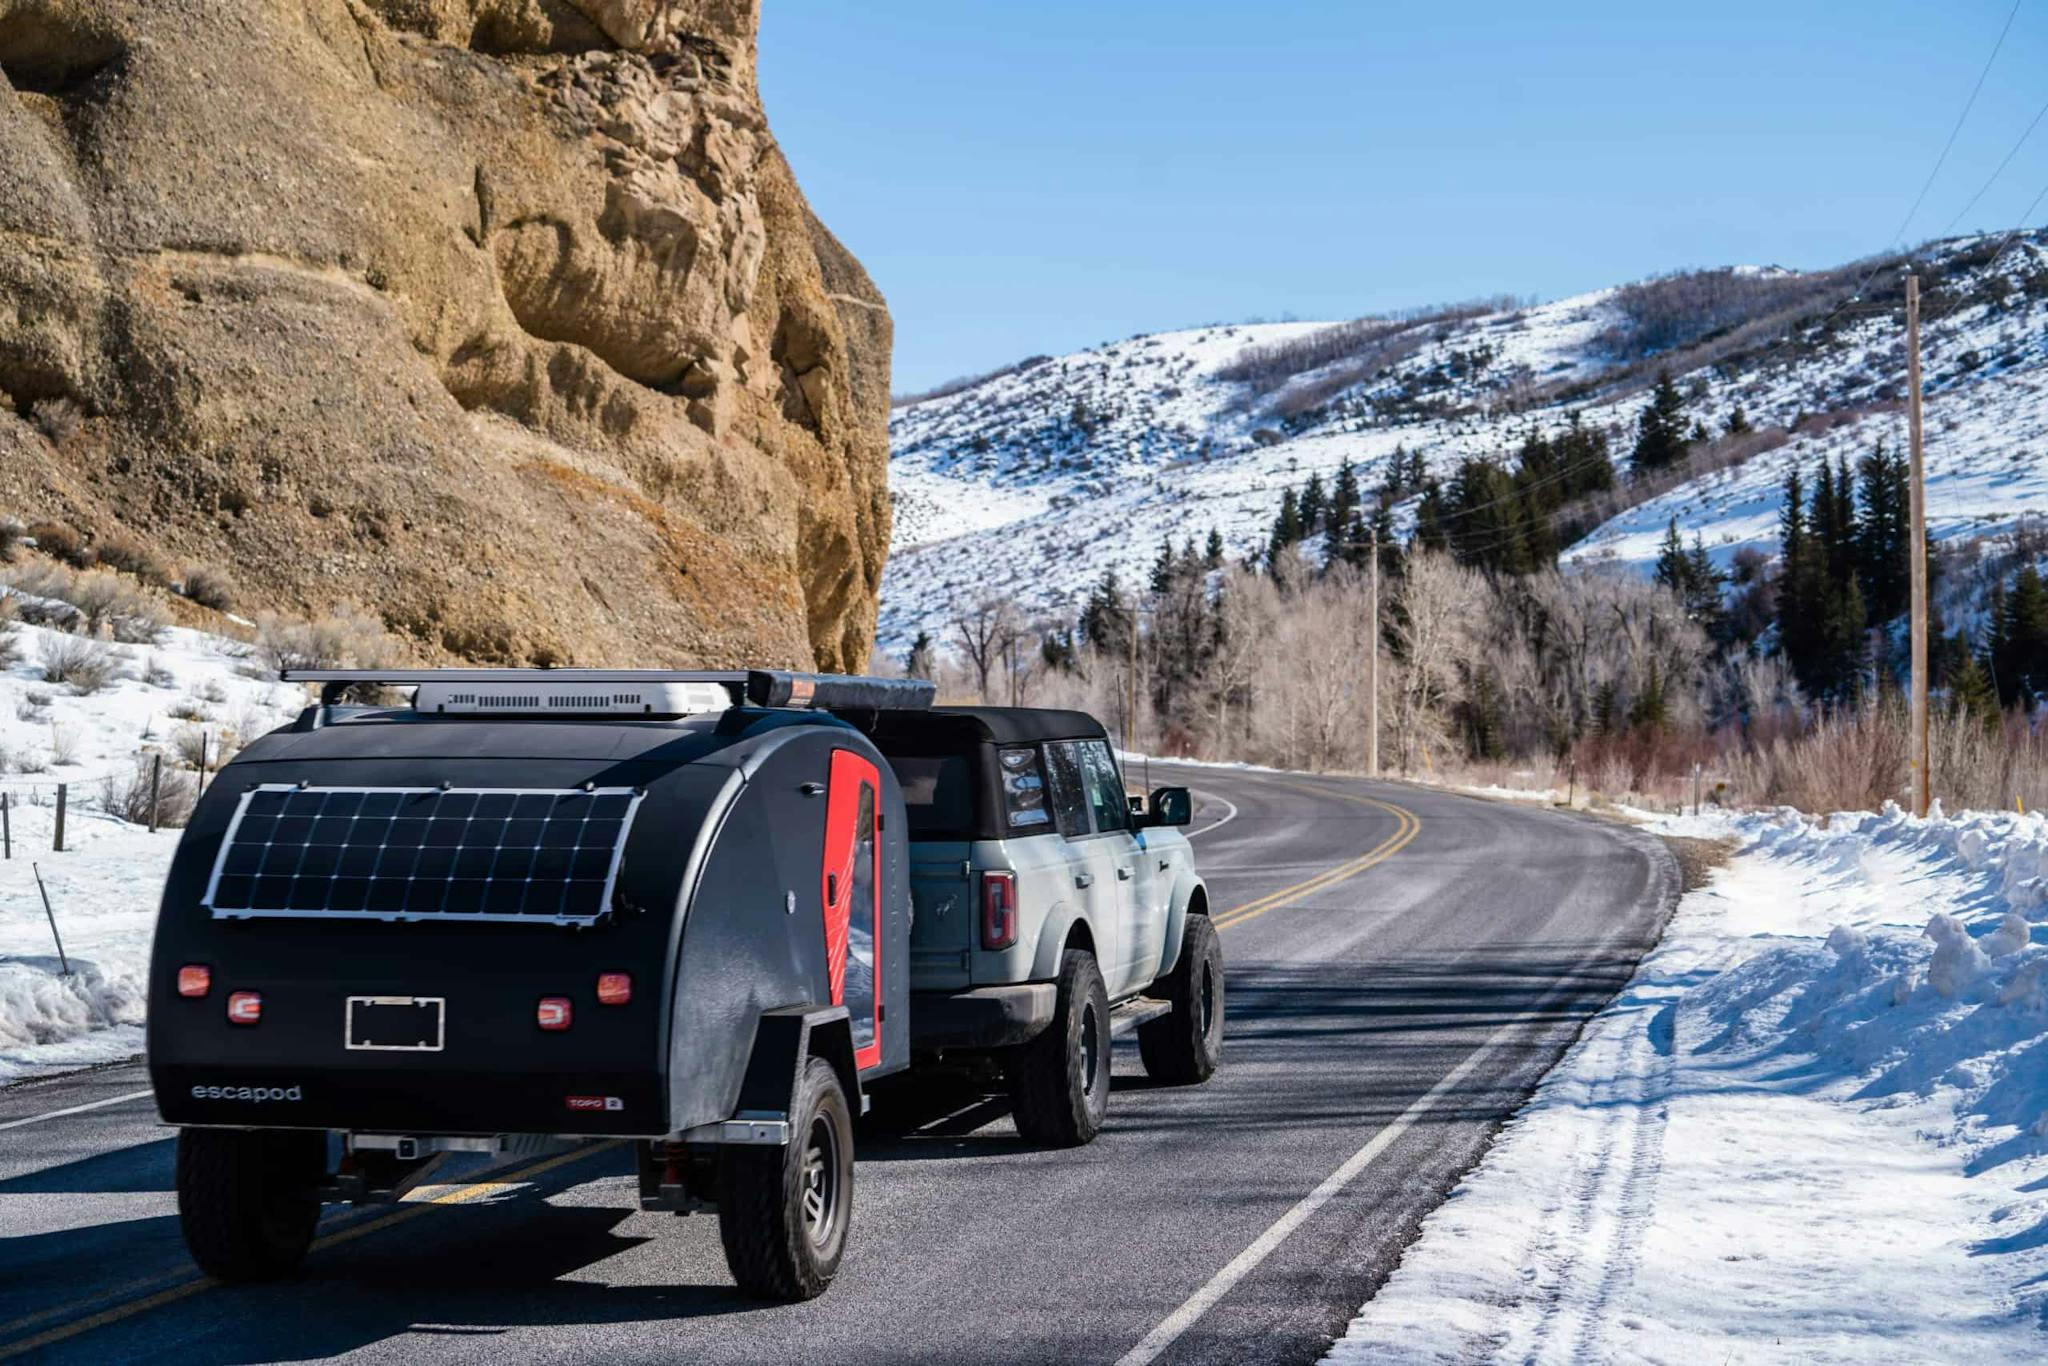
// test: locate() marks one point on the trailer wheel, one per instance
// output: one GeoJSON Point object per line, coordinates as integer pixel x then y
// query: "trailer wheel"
{"type": "Point", "coordinates": [783, 1212]}
{"type": "Point", "coordinates": [1059, 1081]}
{"type": "Point", "coordinates": [1186, 1044]}
{"type": "Point", "coordinates": [246, 1198]}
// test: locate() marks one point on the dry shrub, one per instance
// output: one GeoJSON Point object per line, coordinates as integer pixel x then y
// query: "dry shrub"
{"type": "Point", "coordinates": [339, 640]}
{"type": "Point", "coordinates": [209, 588]}
{"type": "Point", "coordinates": [12, 532]}
{"type": "Point", "coordinates": [126, 794]}
{"type": "Point", "coordinates": [195, 747]}
{"type": "Point", "coordinates": [63, 744]}
{"type": "Point", "coordinates": [130, 556]}
{"type": "Point", "coordinates": [85, 665]}
{"type": "Point", "coordinates": [1847, 761]}
{"type": "Point", "coordinates": [60, 541]}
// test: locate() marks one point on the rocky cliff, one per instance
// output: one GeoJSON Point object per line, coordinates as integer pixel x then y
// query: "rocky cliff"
{"type": "Point", "coordinates": [504, 319]}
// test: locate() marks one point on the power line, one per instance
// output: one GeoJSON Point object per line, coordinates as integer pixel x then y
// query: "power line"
{"type": "Point", "coordinates": [2039, 114]}
{"type": "Point", "coordinates": [1961, 118]}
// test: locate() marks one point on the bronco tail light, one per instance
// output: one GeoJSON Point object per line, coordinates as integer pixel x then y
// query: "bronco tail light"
{"type": "Point", "coordinates": [245, 1007]}
{"type": "Point", "coordinates": [614, 988]}
{"type": "Point", "coordinates": [554, 1013]}
{"type": "Point", "coordinates": [195, 979]}
{"type": "Point", "coordinates": [998, 910]}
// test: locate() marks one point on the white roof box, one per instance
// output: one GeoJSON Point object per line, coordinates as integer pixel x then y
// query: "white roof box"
{"type": "Point", "coordinates": [535, 697]}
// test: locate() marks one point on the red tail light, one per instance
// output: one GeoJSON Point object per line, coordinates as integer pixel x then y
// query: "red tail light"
{"type": "Point", "coordinates": [195, 979]}
{"type": "Point", "coordinates": [245, 1007]}
{"type": "Point", "coordinates": [554, 1013]}
{"type": "Point", "coordinates": [998, 910]}
{"type": "Point", "coordinates": [614, 988]}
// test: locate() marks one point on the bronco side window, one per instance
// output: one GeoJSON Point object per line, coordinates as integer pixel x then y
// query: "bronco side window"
{"type": "Point", "coordinates": [1063, 785]}
{"type": "Point", "coordinates": [1023, 790]}
{"type": "Point", "coordinates": [1105, 788]}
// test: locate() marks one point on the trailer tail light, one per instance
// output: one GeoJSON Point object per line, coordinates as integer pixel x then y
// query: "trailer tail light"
{"type": "Point", "coordinates": [245, 1007]}
{"type": "Point", "coordinates": [998, 910]}
{"type": "Point", "coordinates": [614, 988]}
{"type": "Point", "coordinates": [195, 979]}
{"type": "Point", "coordinates": [554, 1013]}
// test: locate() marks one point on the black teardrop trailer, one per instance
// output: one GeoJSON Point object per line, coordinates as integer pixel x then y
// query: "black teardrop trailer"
{"type": "Point", "coordinates": [481, 923]}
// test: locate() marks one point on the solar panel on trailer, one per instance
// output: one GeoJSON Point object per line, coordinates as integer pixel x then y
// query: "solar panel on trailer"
{"type": "Point", "coordinates": [401, 853]}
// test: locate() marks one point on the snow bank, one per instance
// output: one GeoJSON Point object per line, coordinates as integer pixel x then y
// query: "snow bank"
{"type": "Point", "coordinates": [105, 885]}
{"type": "Point", "coordinates": [1813, 1127]}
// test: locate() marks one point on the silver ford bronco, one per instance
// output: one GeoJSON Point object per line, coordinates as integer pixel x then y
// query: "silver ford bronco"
{"type": "Point", "coordinates": [1048, 906]}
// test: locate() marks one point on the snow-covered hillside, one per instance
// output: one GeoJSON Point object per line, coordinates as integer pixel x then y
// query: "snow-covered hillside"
{"type": "Point", "coordinates": [1029, 485]}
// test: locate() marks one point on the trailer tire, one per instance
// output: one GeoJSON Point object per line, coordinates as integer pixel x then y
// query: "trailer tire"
{"type": "Point", "coordinates": [246, 1199]}
{"type": "Point", "coordinates": [783, 1212]}
{"type": "Point", "coordinates": [1059, 1081]}
{"type": "Point", "coordinates": [1185, 1045]}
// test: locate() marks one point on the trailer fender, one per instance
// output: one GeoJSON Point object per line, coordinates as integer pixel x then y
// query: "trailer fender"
{"type": "Point", "coordinates": [1190, 897]}
{"type": "Point", "coordinates": [783, 1041]}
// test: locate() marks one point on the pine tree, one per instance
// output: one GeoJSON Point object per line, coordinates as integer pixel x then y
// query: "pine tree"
{"type": "Point", "coordinates": [1971, 696]}
{"type": "Point", "coordinates": [1737, 423]}
{"type": "Point", "coordinates": [1163, 566]}
{"type": "Point", "coordinates": [1313, 506]}
{"type": "Point", "coordinates": [1432, 519]}
{"type": "Point", "coordinates": [1660, 430]}
{"type": "Point", "coordinates": [1106, 617]}
{"type": "Point", "coordinates": [923, 659]}
{"type": "Point", "coordinates": [1703, 587]}
{"type": "Point", "coordinates": [1341, 523]}
{"type": "Point", "coordinates": [2023, 640]}
{"type": "Point", "coordinates": [1672, 567]}
{"type": "Point", "coordinates": [1212, 554]}
{"type": "Point", "coordinates": [1882, 534]}
{"type": "Point", "coordinates": [1799, 583]}
{"type": "Point", "coordinates": [1286, 527]}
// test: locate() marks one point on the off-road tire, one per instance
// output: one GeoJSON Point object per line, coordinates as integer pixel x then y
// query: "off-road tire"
{"type": "Point", "coordinates": [777, 1247]}
{"type": "Point", "coordinates": [246, 1199]}
{"type": "Point", "coordinates": [1059, 1081]}
{"type": "Point", "coordinates": [1185, 1045]}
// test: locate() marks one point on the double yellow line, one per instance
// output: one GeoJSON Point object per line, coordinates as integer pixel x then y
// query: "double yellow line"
{"type": "Point", "coordinates": [488, 1182]}
{"type": "Point", "coordinates": [1406, 826]}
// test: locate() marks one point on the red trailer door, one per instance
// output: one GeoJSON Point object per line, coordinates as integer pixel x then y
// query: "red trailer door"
{"type": "Point", "coordinates": [853, 899]}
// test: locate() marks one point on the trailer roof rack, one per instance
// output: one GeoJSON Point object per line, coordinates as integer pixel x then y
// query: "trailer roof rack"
{"type": "Point", "coordinates": [755, 687]}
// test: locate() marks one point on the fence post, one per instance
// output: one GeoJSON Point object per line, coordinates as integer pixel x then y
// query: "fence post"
{"type": "Point", "coordinates": [6, 829]}
{"type": "Point", "coordinates": [200, 791]}
{"type": "Point", "coordinates": [1695, 788]}
{"type": "Point", "coordinates": [63, 789]}
{"type": "Point", "coordinates": [64, 962]}
{"type": "Point", "coordinates": [156, 778]}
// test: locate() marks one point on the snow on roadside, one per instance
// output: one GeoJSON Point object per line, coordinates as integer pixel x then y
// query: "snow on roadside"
{"type": "Point", "coordinates": [105, 885]}
{"type": "Point", "coordinates": [1813, 1127]}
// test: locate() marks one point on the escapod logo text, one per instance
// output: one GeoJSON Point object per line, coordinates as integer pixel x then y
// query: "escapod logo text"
{"type": "Point", "coordinates": [258, 1094]}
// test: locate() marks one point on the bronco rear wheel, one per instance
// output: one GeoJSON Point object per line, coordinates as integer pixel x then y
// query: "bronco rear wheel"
{"type": "Point", "coordinates": [1059, 1081]}
{"type": "Point", "coordinates": [247, 1198]}
{"type": "Point", "coordinates": [783, 1212]}
{"type": "Point", "coordinates": [1186, 1044]}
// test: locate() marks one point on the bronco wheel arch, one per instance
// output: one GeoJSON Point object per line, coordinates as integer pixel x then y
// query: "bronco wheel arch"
{"type": "Point", "coordinates": [1190, 897]}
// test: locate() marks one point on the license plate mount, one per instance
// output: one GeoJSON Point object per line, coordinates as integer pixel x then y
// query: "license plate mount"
{"type": "Point", "coordinates": [396, 1024]}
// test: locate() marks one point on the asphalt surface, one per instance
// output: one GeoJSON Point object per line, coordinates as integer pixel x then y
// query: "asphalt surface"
{"type": "Point", "coordinates": [1403, 965]}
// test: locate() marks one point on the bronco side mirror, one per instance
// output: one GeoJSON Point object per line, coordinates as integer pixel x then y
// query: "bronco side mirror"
{"type": "Point", "coordinates": [1170, 806]}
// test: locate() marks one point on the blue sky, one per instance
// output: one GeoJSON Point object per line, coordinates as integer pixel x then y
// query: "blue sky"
{"type": "Point", "coordinates": [1042, 176]}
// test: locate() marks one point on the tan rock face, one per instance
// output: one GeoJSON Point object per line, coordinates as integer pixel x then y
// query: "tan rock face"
{"type": "Point", "coordinates": [504, 319]}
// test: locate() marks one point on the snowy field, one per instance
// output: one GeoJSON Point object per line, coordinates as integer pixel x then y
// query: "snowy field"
{"type": "Point", "coordinates": [1814, 1127]}
{"type": "Point", "coordinates": [104, 886]}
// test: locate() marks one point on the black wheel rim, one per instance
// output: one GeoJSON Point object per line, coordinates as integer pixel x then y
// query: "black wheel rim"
{"type": "Point", "coordinates": [818, 1185]}
{"type": "Point", "coordinates": [1091, 1048]}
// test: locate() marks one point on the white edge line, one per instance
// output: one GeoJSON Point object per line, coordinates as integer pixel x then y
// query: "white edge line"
{"type": "Point", "coordinates": [1244, 1263]}
{"type": "Point", "coordinates": [1219, 824]}
{"type": "Point", "coordinates": [76, 1109]}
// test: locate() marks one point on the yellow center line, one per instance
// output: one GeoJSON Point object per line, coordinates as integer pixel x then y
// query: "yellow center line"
{"type": "Point", "coordinates": [1406, 826]}
{"type": "Point", "coordinates": [489, 1183]}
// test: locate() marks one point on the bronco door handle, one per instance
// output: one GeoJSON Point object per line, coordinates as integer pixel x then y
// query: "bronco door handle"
{"type": "Point", "coordinates": [1164, 864]}
{"type": "Point", "coordinates": [1123, 875]}
{"type": "Point", "coordinates": [1084, 879]}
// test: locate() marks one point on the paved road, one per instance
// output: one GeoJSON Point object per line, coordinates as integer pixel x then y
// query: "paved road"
{"type": "Point", "coordinates": [1403, 965]}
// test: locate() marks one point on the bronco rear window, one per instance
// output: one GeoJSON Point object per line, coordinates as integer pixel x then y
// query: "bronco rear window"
{"type": "Point", "coordinates": [938, 793]}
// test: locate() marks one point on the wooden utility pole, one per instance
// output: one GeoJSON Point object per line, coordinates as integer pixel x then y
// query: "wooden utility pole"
{"type": "Point", "coordinates": [1131, 689]}
{"type": "Point", "coordinates": [1372, 677]}
{"type": "Point", "coordinates": [1919, 550]}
